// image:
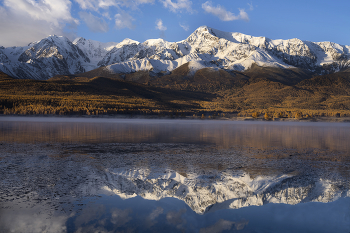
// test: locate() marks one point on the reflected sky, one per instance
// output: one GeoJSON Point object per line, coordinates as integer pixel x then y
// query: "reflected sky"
{"type": "Point", "coordinates": [113, 214]}
{"type": "Point", "coordinates": [122, 175]}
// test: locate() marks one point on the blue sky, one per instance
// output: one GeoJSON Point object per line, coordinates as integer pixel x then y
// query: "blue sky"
{"type": "Point", "coordinates": [24, 21]}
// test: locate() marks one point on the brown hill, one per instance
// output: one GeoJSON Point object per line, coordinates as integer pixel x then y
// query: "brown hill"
{"type": "Point", "coordinates": [321, 93]}
{"type": "Point", "coordinates": [4, 76]}
{"type": "Point", "coordinates": [180, 79]}
{"type": "Point", "coordinates": [286, 76]}
{"type": "Point", "coordinates": [207, 80]}
{"type": "Point", "coordinates": [260, 89]}
{"type": "Point", "coordinates": [95, 95]}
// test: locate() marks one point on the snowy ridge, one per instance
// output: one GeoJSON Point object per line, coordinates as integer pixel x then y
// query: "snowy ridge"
{"type": "Point", "coordinates": [94, 50]}
{"type": "Point", "coordinates": [206, 47]}
{"type": "Point", "coordinates": [209, 193]}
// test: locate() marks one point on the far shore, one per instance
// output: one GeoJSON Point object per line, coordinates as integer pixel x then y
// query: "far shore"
{"type": "Point", "coordinates": [172, 117]}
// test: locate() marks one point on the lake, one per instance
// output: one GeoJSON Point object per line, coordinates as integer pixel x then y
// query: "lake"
{"type": "Point", "coordinates": [146, 175]}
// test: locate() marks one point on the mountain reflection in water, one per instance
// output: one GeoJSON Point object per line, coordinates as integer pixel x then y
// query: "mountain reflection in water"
{"type": "Point", "coordinates": [107, 175]}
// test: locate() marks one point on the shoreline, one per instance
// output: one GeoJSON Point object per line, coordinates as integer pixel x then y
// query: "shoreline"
{"type": "Point", "coordinates": [189, 118]}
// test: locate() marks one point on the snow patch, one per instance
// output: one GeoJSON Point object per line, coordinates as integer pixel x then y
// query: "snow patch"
{"type": "Point", "coordinates": [131, 66]}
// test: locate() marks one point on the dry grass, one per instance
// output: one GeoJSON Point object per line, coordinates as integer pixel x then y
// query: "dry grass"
{"type": "Point", "coordinates": [213, 92]}
{"type": "Point", "coordinates": [93, 97]}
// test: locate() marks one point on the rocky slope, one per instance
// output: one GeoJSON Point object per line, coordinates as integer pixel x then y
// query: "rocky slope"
{"type": "Point", "coordinates": [205, 47]}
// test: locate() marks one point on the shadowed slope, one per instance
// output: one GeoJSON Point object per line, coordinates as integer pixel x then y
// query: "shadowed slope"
{"type": "Point", "coordinates": [286, 76]}
{"type": "Point", "coordinates": [4, 76]}
{"type": "Point", "coordinates": [67, 95]}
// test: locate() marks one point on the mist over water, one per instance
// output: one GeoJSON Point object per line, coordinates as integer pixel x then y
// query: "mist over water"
{"type": "Point", "coordinates": [111, 175]}
{"type": "Point", "coordinates": [301, 135]}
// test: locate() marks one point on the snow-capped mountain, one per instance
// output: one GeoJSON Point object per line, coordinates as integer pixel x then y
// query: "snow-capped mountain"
{"type": "Point", "coordinates": [94, 50]}
{"type": "Point", "coordinates": [225, 191]}
{"type": "Point", "coordinates": [44, 59]}
{"type": "Point", "coordinates": [202, 192]}
{"type": "Point", "coordinates": [205, 47]}
{"type": "Point", "coordinates": [128, 170]}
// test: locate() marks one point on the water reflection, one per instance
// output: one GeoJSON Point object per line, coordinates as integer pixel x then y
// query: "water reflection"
{"type": "Point", "coordinates": [113, 214]}
{"type": "Point", "coordinates": [333, 136]}
{"type": "Point", "coordinates": [192, 176]}
{"type": "Point", "coordinates": [137, 215]}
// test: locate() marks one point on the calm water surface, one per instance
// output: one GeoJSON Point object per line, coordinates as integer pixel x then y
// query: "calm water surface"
{"type": "Point", "coordinates": [132, 175]}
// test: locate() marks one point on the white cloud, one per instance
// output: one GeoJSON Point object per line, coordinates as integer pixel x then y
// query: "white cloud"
{"type": "Point", "coordinates": [223, 14]}
{"type": "Point", "coordinates": [251, 7]}
{"type": "Point", "coordinates": [52, 11]}
{"type": "Point", "coordinates": [2, 12]}
{"type": "Point", "coordinates": [155, 213]}
{"type": "Point", "coordinates": [142, 1]}
{"type": "Point", "coordinates": [23, 220]}
{"type": "Point", "coordinates": [218, 227]}
{"type": "Point", "coordinates": [133, 3]}
{"type": "Point", "coordinates": [106, 15]}
{"type": "Point", "coordinates": [25, 21]}
{"type": "Point", "coordinates": [185, 27]}
{"type": "Point", "coordinates": [160, 25]}
{"type": "Point", "coordinates": [120, 217]}
{"type": "Point", "coordinates": [243, 15]}
{"type": "Point", "coordinates": [123, 20]}
{"type": "Point", "coordinates": [95, 24]}
{"type": "Point", "coordinates": [177, 6]}
{"type": "Point", "coordinates": [96, 4]}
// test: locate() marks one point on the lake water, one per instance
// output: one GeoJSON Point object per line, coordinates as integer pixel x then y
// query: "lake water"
{"type": "Point", "coordinates": [132, 175]}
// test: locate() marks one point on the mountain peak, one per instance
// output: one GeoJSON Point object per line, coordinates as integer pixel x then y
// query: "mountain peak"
{"type": "Point", "coordinates": [78, 40]}
{"type": "Point", "coordinates": [52, 40]}
{"type": "Point", "coordinates": [127, 41]}
{"type": "Point", "coordinates": [206, 46]}
{"type": "Point", "coordinates": [54, 36]}
{"type": "Point", "coordinates": [155, 42]}
{"type": "Point", "coordinates": [60, 38]}
{"type": "Point", "coordinates": [203, 28]}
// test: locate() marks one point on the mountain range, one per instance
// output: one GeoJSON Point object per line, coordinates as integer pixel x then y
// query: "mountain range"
{"type": "Point", "coordinates": [204, 48]}
{"type": "Point", "coordinates": [203, 192]}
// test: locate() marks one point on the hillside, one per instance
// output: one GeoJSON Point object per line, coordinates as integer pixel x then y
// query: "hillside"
{"type": "Point", "coordinates": [82, 96]}
{"type": "Point", "coordinates": [260, 90]}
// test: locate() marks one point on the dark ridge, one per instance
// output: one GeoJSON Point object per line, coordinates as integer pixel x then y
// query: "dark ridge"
{"type": "Point", "coordinates": [110, 86]}
{"type": "Point", "coordinates": [99, 72]}
{"type": "Point", "coordinates": [285, 76]}
{"type": "Point", "coordinates": [4, 76]}
{"type": "Point", "coordinates": [68, 78]}
{"type": "Point", "coordinates": [182, 70]}
{"type": "Point", "coordinates": [330, 80]}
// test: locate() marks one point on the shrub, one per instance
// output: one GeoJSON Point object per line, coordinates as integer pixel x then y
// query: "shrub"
{"type": "Point", "coordinates": [266, 116]}
{"type": "Point", "coordinates": [298, 115]}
